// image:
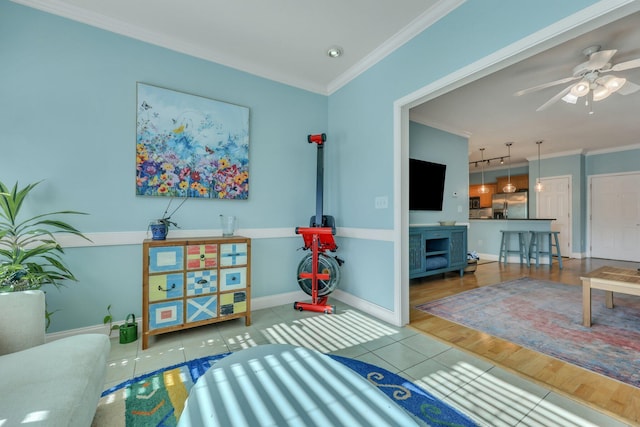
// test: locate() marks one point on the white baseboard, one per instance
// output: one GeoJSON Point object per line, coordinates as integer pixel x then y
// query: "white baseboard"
{"type": "Point", "coordinates": [371, 309]}
{"type": "Point", "coordinates": [95, 329]}
{"type": "Point", "coordinates": [276, 300]}
{"type": "Point", "coordinates": [488, 257]}
{"type": "Point", "coordinates": [511, 258]}
{"type": "Point", "coordinates": [256, 304]}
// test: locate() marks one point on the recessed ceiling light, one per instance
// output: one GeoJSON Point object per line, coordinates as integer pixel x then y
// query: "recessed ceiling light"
{"type": "Point", "coordinates": [334, 51]}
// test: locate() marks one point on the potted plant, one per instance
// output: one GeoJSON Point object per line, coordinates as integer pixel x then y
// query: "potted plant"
{"type": "Point", "coordinates": [160, 227]}
{"type": "Point", "coordinates": [30, 256]}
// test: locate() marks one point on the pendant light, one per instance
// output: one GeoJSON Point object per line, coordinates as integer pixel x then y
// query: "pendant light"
{"type": "Point", "coordinates": [483, 188]}
{"type": "Point", "coordinates": [539, 186]}
{"type": "Point", "coordinates": [509, 188]}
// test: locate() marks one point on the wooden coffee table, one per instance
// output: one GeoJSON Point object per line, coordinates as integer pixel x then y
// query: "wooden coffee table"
{"type": "Point", "coordinates": [610, 279]}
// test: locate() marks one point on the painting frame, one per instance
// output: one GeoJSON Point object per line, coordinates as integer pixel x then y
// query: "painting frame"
{"type": "Point", "coordinates": [190, 146]}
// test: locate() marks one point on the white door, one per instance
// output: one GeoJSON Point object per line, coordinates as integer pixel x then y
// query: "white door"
{"type": "Point", "coordinates": [554, 201]}
{"type": "Point", "coordinates": [615, 216]}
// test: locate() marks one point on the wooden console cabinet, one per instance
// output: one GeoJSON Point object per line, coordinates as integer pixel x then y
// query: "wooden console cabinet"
{"type": "Point", "coordinates": [193, 282]}
{"type": "Point", "coordinates": [437, 249]}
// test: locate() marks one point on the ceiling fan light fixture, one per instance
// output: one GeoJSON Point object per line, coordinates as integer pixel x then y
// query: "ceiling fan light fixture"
{"type": "Point", "coordinates": [580, 89]}
{"type": "Point", "coordinates": [614, 83]}
{"type": "Point", "coordinates": [570, 98]}
{"type": "Point", "coordinates": [600, 93]}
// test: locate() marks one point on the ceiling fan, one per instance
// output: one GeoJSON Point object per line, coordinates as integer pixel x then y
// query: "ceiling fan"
{"type": "Point", "coordinates": [593, 82]}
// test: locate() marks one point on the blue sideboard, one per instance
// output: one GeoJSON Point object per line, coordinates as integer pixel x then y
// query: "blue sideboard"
{"type": "Point", "coordinates": [437, 249]}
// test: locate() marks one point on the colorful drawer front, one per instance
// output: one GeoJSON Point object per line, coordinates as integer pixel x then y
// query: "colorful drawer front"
{"type": "Point", "coordinates": [202, 256]}
{"type": "Point", "coordinates": [233, 278]}
{"type": "Point", "coordinates": [166, 258]}
{"type": "Point", "coordinates": [165, 286]}
{"type": "Point", "coordinates": [202, 282]}
{"type": "Point", "coordinates": [233, 303]}
{"type": "Point", "coordinates": [165, 314]}
{"type": "Point", "coordinates": [202, 308]}
{"type": "Point", "coordinates": [233, 254]}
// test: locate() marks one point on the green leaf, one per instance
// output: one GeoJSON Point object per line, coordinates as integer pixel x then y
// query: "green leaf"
{"type": "Point", "coordinates": [29, 253]}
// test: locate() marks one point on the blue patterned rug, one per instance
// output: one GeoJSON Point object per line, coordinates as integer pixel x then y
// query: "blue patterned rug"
{"type": "Point", "coordinates": [157, 399]}
{"type": "Point", "coordinates": [547, 317]}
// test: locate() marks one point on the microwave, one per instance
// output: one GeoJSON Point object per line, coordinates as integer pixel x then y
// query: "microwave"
{"type": "Point", "coordinates": [474, 202]}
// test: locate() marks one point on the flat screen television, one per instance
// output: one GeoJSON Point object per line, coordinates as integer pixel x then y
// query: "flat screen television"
{"type": "Point", "coordinates": [426, 185]}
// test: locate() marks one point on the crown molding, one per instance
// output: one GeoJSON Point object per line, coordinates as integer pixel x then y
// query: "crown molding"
{"type": "Point", "coordinates": [612, 150]}
{"type": "Point", "coordinates": [116, 26]}
{"type": "Point", "coordinates": [555, 155]}
{"type": "Point", "coordinates": [65, 10]}
{"type": "Point", "coordinates": [418, 25]}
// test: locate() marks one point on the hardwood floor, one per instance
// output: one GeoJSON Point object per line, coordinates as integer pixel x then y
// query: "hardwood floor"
{"type": "Point", "coordinates": [607, 395]}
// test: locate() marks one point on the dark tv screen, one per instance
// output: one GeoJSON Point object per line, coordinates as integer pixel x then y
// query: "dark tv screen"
{"type": "Point", "coordinates": [426, 185]}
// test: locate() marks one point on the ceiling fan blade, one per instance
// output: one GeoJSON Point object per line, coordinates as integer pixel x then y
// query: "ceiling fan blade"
{"type": "Point", "coordinates": [628, 88]}
{"type": "Point", "coordinates": [545, 85]}
{"type": "Point", "coordinates": [627, 65]}
{"type": "Point", "coordinates": [555, 98]}
{"type": "Point", "coordinates": [601, 58]}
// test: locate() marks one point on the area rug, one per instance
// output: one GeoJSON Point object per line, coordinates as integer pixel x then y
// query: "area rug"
{"type": "Point", "coordinates": [547, 317]}
{"type": "Point", "coordinates": [157, 398]}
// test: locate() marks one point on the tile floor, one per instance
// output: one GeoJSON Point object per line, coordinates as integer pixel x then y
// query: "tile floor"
{"type": "Point", "coordinates": [488, 394]}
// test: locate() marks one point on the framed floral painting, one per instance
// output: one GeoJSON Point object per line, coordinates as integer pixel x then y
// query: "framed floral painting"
{"type": "Point", "coordinates": [190, 146]}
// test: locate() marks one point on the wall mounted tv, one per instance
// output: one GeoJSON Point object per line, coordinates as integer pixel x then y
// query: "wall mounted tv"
{"type": "Point", "coordinates": [426, 185]}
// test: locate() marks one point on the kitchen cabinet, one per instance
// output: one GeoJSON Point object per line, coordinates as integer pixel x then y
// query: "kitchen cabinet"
{"type": "Point", "coordinates": [193, 282]}
{"type": "Point", "coordinates": [437, 249]}
{"type": "Point", "coordinates": [485, 199]}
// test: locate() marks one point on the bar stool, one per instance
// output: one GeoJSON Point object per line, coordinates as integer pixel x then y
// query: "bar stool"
{"type": "Point", "coordinates": [522, 243]}
{"type": "Point", "coordinates": [536, 249]}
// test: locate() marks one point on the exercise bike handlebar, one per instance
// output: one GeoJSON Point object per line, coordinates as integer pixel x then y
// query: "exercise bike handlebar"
{"type": "Point", "coordinates": [318, 138]}
{"type": "Point", "coordinates": [314, 230]}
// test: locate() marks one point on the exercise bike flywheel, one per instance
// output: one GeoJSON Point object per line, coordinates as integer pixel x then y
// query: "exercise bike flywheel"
{"type": "Point", "coordinates": [326, 265]}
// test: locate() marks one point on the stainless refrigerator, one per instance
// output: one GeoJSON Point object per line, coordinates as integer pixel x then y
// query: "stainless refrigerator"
{"type": "Point", "coordinates": [510, 205]}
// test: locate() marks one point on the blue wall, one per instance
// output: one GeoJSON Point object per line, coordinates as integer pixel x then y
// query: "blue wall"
{"type": "Point", "coordinates": [433, 145]}
{"type": "Point", "coordinates": [67, 111]}
{"type": "Point", "coordinates": [614, 162]}
{"type": "Point", "coordinates": [361, 112]}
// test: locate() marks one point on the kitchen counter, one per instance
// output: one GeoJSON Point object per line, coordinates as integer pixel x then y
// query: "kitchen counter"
{"type": "Point", "coordinates": [484, 234]}
{"type": "Point", "coordinates": [512, 219]}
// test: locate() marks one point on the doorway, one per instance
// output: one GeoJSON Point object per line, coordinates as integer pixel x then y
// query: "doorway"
{"type": "Point", "coordinates": [555, 202]}
{"type": "Point", "coordinates": [569, 28]}
{"type": "Point", "coordinates": [615, 216]}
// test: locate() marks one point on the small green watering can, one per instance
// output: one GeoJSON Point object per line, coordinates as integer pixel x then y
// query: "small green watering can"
{"type": "Point", "coordinates": [129, 330]}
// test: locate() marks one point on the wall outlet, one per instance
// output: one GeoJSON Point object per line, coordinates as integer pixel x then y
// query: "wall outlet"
{"type": "Point", "coordinates": [381, 202]}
